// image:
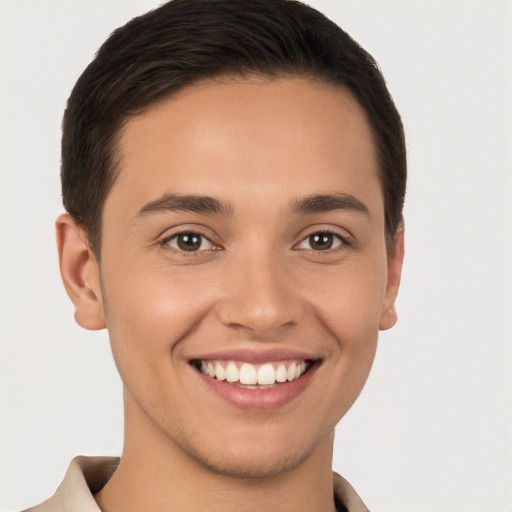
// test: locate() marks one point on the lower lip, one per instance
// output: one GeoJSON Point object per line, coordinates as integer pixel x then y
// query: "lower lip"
{"type": "Point", "coordinates": [258, 399]}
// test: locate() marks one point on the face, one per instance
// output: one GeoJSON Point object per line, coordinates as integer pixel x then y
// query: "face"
{"type": "Point", "coordinates": [244, 273]}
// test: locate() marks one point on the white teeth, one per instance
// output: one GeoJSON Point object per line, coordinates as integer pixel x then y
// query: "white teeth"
{"type": "Point", "coordinates": [220, 373]}
{"type": "Point", "coordinates": [232, 373]}
{"type": "Point", "coordinates": [290, 373]}
{"type": "Point", "coordinates": [248, 374]}
{"type": "Point", "coordinates": [281, 373]}
{"type": "Point", "coordinates": [266, 375]}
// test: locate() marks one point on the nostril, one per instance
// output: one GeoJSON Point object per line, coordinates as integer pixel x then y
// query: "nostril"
{"type": "Point", "coordinates": [259, 320]}
{"type": "Point", "coordinates": [258, 298]}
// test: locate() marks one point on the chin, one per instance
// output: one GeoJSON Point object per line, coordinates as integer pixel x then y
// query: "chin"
{"type": "Point", "coordinates": [251, 464]}
{"type": "Point", "coordinates": [263, 454]}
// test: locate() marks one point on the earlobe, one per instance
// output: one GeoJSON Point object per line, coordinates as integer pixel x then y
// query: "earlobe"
{"type": "Point", "coordinates": [80, 273]}
{"type": "Point", "coordinates": [396, 257]}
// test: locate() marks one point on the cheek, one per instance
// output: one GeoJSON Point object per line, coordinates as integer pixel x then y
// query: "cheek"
{"type": "Point", "coordinates": [149, 313]}
{"type": "Point", "coordinates": [349, 300]}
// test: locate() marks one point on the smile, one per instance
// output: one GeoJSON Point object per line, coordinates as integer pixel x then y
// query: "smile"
{"type": "Point", "coordinates": [254, 376]}
{"type": "Point", "coordinates": [256, 380]}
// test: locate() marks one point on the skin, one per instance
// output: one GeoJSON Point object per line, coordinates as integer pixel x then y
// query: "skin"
{"type": "Point", "coordinates": [258, 146]}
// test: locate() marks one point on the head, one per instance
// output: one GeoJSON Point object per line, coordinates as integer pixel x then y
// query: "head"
{"type": "Point", "coordinates": [234, 173]}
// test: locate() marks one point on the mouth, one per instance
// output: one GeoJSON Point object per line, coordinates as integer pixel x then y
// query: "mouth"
{"type": "Point", "coordinates": [263, 380]}
{"type": "Point", "coordinates": [246, 375]}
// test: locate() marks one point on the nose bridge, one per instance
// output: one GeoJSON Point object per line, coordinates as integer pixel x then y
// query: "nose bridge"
{"type": "Point", "coordinates": [259, 294]}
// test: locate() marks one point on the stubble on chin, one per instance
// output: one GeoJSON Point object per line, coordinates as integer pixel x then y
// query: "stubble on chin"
{"type": "Point", "coordinates": [243, 464]}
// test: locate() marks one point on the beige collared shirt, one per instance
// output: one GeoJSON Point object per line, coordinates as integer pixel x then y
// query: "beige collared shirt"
{"type": "Point", "coordinates": [87, 475]}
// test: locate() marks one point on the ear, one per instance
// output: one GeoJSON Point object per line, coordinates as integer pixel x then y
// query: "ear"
{"type": "Point", "coordinates": [395, 259]}
{"type": "Point", "coordinates": [80, 273]}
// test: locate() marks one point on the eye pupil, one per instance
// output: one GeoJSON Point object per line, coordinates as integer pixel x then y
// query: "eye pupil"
{"type": "Point", "coordinates": [321, 241]}
{"type": "Point", "coordinates": [189, 241]}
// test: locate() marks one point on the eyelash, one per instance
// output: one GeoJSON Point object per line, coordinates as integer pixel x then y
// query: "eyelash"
{"type": "Point", "coordinates": [203, 238]}
{"type": "Point", "coordinates": [343, 242]}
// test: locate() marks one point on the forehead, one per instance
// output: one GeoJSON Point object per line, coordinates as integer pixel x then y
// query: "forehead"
{"type": "Point", "coordinates": [256, 136]}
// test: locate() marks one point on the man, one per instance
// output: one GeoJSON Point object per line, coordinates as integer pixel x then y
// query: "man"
{"type": "Point", "coordinates": [234, 175]}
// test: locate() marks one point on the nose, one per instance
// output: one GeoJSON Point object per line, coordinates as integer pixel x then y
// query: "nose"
{"type": "Point", "coordinates": [259, 296]}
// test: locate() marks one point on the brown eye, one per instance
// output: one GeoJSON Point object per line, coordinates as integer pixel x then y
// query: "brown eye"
{"type": "Point", "coordinates": [190, 242]}
{"type": "Point", "coordinates": [321, 241]}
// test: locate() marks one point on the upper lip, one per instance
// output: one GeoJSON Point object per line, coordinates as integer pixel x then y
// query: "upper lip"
{"type": "Point", "coordinates": [254, 356]}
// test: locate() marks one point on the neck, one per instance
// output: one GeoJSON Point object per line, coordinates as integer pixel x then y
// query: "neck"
{"type": "Point", "coordinates": [157, 474]}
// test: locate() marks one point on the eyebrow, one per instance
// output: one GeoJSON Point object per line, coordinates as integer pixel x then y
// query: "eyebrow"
{"type": "Point", "coordinates": [329, 202]}
{"type": "Point", "coordinates": [317, 203]}
{"type": "Point", "coordinates": [188, 203]}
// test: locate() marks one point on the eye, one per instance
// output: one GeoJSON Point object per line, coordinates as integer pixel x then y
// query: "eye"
{"type": "Point", "coordinates": [189, 241]}
{"type": "Point", "coordinates": [321, 241]}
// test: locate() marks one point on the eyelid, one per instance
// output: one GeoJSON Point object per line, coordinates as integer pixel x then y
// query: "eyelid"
{"type": "Point", "coordinates": [173, 233]}
{"type": "Point", "coordinates": [336, 244]}
{"type": "Point", "coordinates": [346, 239]}
{"type": "Point", "coordinates": [203, 238]}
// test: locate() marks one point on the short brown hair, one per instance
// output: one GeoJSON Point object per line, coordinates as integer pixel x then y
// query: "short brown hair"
{"type": "Point", "coordinates": [185, 41]}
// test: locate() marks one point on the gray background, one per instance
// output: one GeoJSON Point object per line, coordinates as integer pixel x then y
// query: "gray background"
{"type": "Point", "coordinates": [432, 431]}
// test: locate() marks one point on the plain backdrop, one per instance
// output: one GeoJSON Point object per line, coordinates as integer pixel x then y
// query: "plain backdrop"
{"type": "Point", "coordinates": [432, 430]}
